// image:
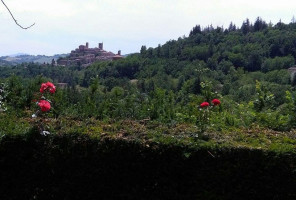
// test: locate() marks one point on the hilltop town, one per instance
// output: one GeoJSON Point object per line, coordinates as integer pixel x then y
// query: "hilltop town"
{"type": "Point", "coordinates": [84, 56]}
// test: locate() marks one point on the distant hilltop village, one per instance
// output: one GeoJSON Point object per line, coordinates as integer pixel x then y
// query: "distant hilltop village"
{"type": "Point", "coordinates": [84, 56]}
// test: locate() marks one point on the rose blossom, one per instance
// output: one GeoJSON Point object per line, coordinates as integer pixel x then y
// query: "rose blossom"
{"type": "Point", "coordinates": [43, 87]}
{"type": "Point", "coordinates": [44, 105]}
{"type": "Point", "coordinates": [204, 104]}
{"type": "Point", "coordinates": [50, 86]}
{"type": "Point", "coordinates": [216, 102]}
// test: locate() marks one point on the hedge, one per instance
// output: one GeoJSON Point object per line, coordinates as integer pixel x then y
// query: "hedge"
{"type": "Point", "coordinates": [76, 166]}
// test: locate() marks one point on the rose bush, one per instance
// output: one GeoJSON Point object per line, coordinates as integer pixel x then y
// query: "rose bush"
{"type": "Point", "coordinates": [44, 105]}
{"type": "Point", "coordinates": [203, 117]}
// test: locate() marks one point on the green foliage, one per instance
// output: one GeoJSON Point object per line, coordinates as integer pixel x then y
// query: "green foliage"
{"type": "Point", "coordinates": [274, 120]}
{"type": "Point", "coordinates": [281, 77]}
{"type": "Point", "coordinates": [278, 63]}
{"type": "Point", "coordinates": [263, 97]}
{"type": "Point", "coordinates": [3, 95]}
{"type": "Point", "coordinates": [10, 124]}
{"type": "Point", "coordinates": [207, 92]}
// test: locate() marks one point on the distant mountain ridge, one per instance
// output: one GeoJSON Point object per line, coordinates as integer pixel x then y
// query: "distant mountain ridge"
{"type": "Point", "coordinates": [17, 54]}
{"type": "Point", "coordinates": [19, 58]}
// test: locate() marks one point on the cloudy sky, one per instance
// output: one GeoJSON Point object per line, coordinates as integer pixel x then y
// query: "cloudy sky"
{"type": "Point", "coordinates": [62, 25]}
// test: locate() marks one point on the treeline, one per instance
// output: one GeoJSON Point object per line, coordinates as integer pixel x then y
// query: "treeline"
{"type": "Point", "coordinates": [255, 47]}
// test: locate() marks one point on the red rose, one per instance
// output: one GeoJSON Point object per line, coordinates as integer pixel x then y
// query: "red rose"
{"type": "Point", "coordinates": [216, 102]}
{"type": "Point", "coordinates": [43, 87]}
{"type": "Point", "coordinates": [52, 90]}
{"type": "Point", "coordinates": [44, 105]}
{"type": "Point", "coordinates": [50, 86]}
{"type": "Point", "coordinates": [204, 104]}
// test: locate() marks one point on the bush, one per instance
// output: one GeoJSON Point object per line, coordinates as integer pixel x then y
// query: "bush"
{"type": "Point", "coordinates": [74, 166]}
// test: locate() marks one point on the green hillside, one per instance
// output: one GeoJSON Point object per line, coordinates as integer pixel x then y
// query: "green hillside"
{"type": "Point", "coordinates": [24, 58]}
{"type": "Point", "coordinates": [244, 67]}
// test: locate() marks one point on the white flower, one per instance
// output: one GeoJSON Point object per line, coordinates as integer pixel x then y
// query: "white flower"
{"type": "Point", "coordinates": [44, 133]}
{"type": "Point", "coordinates": [34, 116]}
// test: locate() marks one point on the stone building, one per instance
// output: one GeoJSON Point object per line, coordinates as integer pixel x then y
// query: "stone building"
{"type": "Point", "coordinates": [85, 56]}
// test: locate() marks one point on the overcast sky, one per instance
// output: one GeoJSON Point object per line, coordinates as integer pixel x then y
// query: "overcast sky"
{"type": "Point", "coordinates": [62, 25]}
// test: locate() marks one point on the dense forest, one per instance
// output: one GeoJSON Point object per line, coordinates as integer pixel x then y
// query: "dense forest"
{"type": "Point", "coordinates": [245, 67]}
